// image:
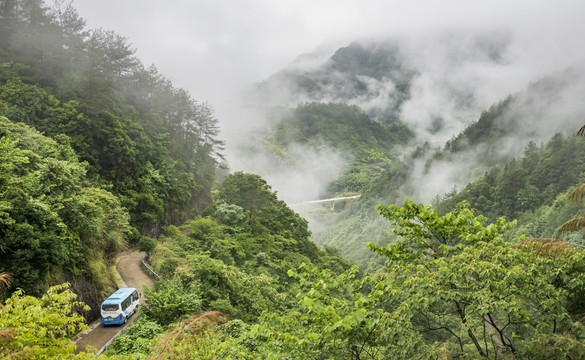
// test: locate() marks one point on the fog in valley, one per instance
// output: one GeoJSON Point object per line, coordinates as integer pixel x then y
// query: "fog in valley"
{"type": "Point", "coordinates": [340, 179]}
{"type": "Point", "coordinates": [463, 57]}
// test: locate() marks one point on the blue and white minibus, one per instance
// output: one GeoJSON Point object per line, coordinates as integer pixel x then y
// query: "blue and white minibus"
{"type": "Point", "coordinates": [120, 306]}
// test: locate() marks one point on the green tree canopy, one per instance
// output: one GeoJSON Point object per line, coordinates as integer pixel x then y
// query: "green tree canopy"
{"type": "Point", "coordinates": [41, 328]}
{"type": "Point", "coordinates": [48, 210]}
{"type": "Point", "coordinates": [453, 288]}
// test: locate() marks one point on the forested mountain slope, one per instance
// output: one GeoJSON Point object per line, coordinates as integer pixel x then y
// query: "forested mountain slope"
{"type": "Point", "coordinates": [154, 145]}
{"type": "Point", "coordinates": [424, 155]}
{"type": "Point", "coordinates": [502, 183]}
{"type": "Point", "coordinates": [376, 76]}
{"type": "Point", "coordinates": [56, 225]}
{"type": "Point", "coordinates": [98, 152]}
{"type": "Point", "coordinates": [123, 153]}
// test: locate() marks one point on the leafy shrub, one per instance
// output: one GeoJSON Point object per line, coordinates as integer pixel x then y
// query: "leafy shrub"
{"type": "Point", "coordinates": [169, 301]}
{"type": "Point", "coordinates": [138, 339]}
{"type": "Point", "coordinates": [167, 266]}
{"type": "Point", "coordinates": [40, 328]}
{"type": "Point", "coordinates": [146, 244]}
{"type": "Point", "coordinates": [230, 214]}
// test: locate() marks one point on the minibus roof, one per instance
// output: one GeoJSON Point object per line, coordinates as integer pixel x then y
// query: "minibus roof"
{"type": "Point", "coordinates": [118, 296]}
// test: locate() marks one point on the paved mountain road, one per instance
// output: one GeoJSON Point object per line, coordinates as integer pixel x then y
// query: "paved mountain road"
{"type": "Point", "coordinates": [133, 275]}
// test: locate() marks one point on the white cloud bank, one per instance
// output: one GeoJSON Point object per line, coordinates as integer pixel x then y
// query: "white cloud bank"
{"type": "Point", "coordinates": [215, 48]}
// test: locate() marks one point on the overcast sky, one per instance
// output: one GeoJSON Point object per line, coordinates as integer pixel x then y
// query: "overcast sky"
{"type": "Point", "coordinates": [211, 47]}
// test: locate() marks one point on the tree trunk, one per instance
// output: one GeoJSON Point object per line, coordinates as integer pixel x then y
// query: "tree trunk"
{"type": "Point", "coordinates": [472, 336]}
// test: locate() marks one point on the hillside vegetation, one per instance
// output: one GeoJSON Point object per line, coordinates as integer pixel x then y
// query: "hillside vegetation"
{"type": "Point", "coordinates": [151, 143]}
{"type": "Point", "coordinates": [49, 211]}
{"type": "Point", "coordinates": [452, 286]}
{"type": "Point", "coordinates": [507, 150]}
{"type": "Point", "coordinates": [459, 280]}
{"type": "Point", "coordinates": [99, 153]}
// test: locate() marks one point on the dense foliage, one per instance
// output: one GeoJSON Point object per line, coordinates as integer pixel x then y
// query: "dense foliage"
{"type": "Point", "coordinates": [96, 149]}
{"type": "Point", "coordinates": [49, 211]}
{"type": "Point", "coordinates": [531, 188]}
{"type": "Point", "coordinates": [41, 328]}
{"type": "Point", "coordinates": [527, 189]}
{"type": "Point", "coordinates": [236, 259]}
{"type": "Point", "coordinates": [152, 144]}
{"type": "Point", "coordinates": [452, 287]}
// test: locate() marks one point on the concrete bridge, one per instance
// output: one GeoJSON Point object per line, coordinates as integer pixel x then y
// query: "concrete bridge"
{"type": "Point", "coordinates": [326, 202]}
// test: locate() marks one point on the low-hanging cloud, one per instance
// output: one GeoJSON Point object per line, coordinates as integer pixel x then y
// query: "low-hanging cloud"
{"type": "Point", "coordinates": [298, 172]}
{"type": "Point", "coordinates": [455, 79]}
{"type": "Point", "coordinates": [210, 47]}
{"type": "Point", "coordinates": [545, 107]}
{"type": "Point", "coordinates": [213, 49]}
